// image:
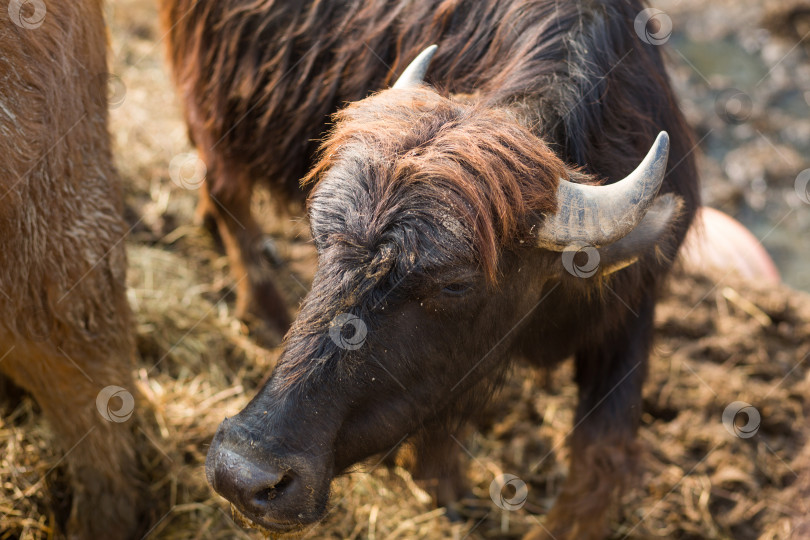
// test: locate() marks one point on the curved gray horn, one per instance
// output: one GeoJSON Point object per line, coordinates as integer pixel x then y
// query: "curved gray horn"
{"type": "Point", "coordinates": [414, 74]}
{"type": "Point", "coordinates": [600, 215]}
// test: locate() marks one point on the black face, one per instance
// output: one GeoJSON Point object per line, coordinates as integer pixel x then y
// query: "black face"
{"type": "Point", "coordinates": [399, 324]}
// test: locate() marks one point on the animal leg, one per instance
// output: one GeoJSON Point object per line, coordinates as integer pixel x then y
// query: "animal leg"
{"type": "Point", "coordinates": [100, 454]}
{"type": "Point", "coordinates": [436, 467]}
{"type": "Point", "coordinates": [256, 294]}
{"type": "Point", "coordinates": [604, 452]}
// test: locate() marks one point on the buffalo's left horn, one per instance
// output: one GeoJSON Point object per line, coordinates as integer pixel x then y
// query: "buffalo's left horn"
{"type": "Point", "coordinates": [414, 74]}
{"type": "Point", "coordinates": [601, 215]}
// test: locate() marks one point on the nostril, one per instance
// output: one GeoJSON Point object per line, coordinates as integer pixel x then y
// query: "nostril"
{"type": "Point", "coordinates": [249, 484]}
{"type": "Point", "coordinates": [267, 494]}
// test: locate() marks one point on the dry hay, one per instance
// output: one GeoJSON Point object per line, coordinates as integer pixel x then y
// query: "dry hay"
{"type": "Point", "coordinates": [719, 341]}
{"type": "Point", "coordinates": [714, 346]}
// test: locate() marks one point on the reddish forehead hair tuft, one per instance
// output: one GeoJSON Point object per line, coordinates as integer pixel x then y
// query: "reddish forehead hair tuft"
{"type": "Point", "coordinates": [495, 172]}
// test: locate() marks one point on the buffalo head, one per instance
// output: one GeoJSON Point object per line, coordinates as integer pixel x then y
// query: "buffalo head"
{"type": "Point", "coordinates": [439, 224]}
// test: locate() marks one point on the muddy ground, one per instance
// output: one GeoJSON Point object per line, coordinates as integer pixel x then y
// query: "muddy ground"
{"type": "Point", "coordinates": [719, 340]}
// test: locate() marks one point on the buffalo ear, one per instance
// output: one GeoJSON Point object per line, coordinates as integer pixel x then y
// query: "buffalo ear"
{"type": "Point", "coordinates": [650, 236]}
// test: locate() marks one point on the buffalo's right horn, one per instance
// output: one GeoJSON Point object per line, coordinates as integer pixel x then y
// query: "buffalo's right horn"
{"type": "Point", "coordinates": [601, 215]}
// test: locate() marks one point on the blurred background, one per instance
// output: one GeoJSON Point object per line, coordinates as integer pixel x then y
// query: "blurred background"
{"type": "Point", "coordinates": [742, 73]}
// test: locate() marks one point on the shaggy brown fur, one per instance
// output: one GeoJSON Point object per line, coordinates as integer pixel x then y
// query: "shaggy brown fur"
{"type": "Point", "coordinates": [477, 158]}
{"type": "Point", "coordinates": [418, 192]}
{"type": "Point", "coordinates": [490, 175]}
{"type": "Point", "coordinates": [65, 329]}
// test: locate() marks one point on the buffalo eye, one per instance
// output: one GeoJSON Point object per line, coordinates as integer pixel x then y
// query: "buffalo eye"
{"type": "Point", "coordinates": [456, 289]}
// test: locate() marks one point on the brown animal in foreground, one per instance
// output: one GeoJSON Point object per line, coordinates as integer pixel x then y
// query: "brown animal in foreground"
{"type": "Point", "coordinates": [447, 221]}
{"type": "Point", "coordinates": [65, 330]}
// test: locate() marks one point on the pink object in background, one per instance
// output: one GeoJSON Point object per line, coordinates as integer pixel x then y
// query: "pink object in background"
{"type": "Point", "coordinates": [718, 241]}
